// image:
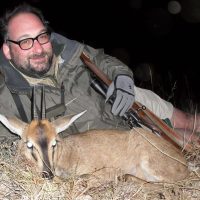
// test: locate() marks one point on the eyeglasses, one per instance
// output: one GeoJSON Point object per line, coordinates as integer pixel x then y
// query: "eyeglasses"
{"type": "Point", "coordinates": [27, 43]}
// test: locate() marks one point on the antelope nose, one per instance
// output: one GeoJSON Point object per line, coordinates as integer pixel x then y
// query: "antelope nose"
{"type": "Point", "coordinates": [47, 175]}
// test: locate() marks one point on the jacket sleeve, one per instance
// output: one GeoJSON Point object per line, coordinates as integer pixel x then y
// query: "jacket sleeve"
{"type": "Point", "coordinates": [5, 134]}
{"type": "Point", "coordinates": [72, 50]}
{"type": "Point", "coordinates": [108, 64]}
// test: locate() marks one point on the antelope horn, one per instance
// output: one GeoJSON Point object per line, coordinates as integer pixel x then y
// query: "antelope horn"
{"type": "Point", "coordinates": [34, 111]}
{"type": "Point", "coordinates": [43, 103]}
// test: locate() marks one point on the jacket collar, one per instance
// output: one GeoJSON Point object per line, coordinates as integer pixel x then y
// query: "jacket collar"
{"type": "Point", "coordinates": [13, 79]}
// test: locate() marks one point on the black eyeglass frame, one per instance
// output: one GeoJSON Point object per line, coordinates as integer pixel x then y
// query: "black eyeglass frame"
{"type": "Point", "coordinates": [33, 39]}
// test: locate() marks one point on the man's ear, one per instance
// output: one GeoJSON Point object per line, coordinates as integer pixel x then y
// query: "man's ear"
{"type": "Point", "coordinates": [6, 51]}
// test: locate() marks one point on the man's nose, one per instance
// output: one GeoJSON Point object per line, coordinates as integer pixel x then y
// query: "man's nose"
{"type": "Point", "coordinates": [37, 47]}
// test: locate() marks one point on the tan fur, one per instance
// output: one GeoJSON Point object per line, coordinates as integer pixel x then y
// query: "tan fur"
{"type": "Point", "coordinates": [33, 135]}
{"type": "Point", "coordinates": [137, 152]}
{"type": "Point", "coordinates": [103, 151]}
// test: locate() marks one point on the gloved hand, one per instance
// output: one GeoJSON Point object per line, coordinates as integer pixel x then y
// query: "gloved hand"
{"type": "Point", "coordinates": [123, 90]}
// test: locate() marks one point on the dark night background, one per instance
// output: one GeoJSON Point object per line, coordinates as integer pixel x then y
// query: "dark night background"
{"type": "Point", "coordinates": [143, 34]}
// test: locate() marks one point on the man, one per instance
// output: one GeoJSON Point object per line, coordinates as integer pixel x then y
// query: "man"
{"type": "Point", "coordinates": [33, 56]}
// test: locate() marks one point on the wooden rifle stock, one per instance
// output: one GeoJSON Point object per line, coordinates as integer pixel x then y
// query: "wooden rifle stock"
{"type": "Point", "coordinates": [144, 113]}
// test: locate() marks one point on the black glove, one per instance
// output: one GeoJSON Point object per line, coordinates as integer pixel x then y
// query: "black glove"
{"type": "Point", "coordinates": [123, 90]}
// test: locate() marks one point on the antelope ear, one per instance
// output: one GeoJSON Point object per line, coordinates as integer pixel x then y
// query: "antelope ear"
{"type": "Point", "coordinates": [14, 124]}
{"type": "Point", "coordinates": [63, 123]}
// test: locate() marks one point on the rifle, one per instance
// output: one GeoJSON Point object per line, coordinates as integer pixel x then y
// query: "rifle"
{"type": "Point", "coordinates": [139, 113]}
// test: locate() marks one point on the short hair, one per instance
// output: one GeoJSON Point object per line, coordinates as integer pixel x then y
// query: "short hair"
{"type": "Point", "coordinates": [9, 14]}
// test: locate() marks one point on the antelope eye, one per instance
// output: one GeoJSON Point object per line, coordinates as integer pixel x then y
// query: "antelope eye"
{"type": "Point", "coordinates": [29, 145]}
{"type": "Point", "coordinates": [54, 143]}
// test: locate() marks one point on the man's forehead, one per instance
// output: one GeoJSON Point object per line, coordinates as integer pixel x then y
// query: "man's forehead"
{"type": "Point", "coordinates": [25, 25]}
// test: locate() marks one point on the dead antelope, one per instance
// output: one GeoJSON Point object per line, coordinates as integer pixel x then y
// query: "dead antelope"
{"type": "Point", "coordinates": [137, 152]}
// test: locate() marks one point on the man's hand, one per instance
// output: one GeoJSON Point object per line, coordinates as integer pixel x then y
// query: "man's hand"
{"type": "Point", "coordinates": [122, 88]}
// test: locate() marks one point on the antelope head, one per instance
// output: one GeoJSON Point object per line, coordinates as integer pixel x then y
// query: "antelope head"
{"type": "Point", "coordinates": [39, 139]}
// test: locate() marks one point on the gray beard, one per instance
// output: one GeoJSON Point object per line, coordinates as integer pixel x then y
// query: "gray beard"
{"type": "Point", "coordinates": [33, 73]}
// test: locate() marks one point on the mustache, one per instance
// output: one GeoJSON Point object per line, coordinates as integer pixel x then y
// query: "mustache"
{"type": "Point", "coordinates": [41, 55]}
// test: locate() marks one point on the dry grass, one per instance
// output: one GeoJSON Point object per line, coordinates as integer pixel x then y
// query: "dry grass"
{"type": "Point", "coordinates": [19, 180]}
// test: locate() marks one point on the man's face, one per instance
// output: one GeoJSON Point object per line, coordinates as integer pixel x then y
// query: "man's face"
{"type": "Point", "coordinates": [38, 58]}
